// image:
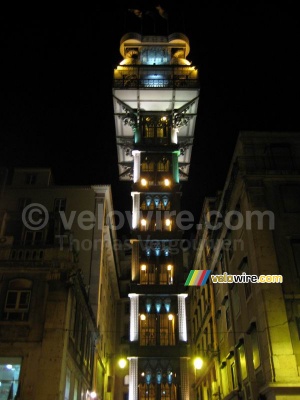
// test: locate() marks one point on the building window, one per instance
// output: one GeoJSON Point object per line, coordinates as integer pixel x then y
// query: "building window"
{"type": "Point", "coordinates": [59, 205]}
{"type": "Point", "coordinates": [229, 244]}
{"type": "Point", "coordinates": [220, 328]}
{"type": "Point", "coordinates": [10, 368]}
{"type": "Point", "coordinates": [73, 318]}
{"type": "Point", "coordinates": [91, 353]}
{"type": "Point", "coordinates": [255, 346]}
{"type": "Point", "coordinates": [224, 377]}
{"type": "Point", "coordinates": [228, 317]}
{"type": "Point", "coordinates": [280, 156]}
{"type": "Point", "coordinates": [298, 326]}
{"type": "Point", "coordinates": [77, 327]}
{"type": "Point", "coordinates": [79, 333]}
{"type": "Point", "coordinates": [23, 202]}
{"type": "Point", "coordinates": [290, 196]}
{"type": "Point", "coordinates": [211, 331]}
{"type": "Point", "coordinates": [248, 392]}
{"type": "Point", "coordinates": [295, 243]}
{"type": "Point", "coordinates": [75, 391]}
{"type": "Point", "coordinates": [67, 385]}
{"type": "Point", "coordinates": [30, 179]}
{"type": "Point", "coordinates": [244, 267]}
{"type": "Point", "coordinates": [196, 319]}
{"type": "Point", "coordinates": [61, 236]}
{"type": "Point", "coordinates": [33, 237]}
{"type": "Point", "coordinates": [17, 300]}
{"type": "Point", "coordinates": [242, 358]}
{"type": "Point", "coordinates": [194, 328]}
{"type": "Point", "coordinates": [125, 337]}
{"type": "Point", "coordinates": [109, 384]}
{"type": "Point", "coordinates": [222, 263]}
{"type": "Point", "coordinates": [236, 300]}
{"type": "Point", "coordinates": [233, 375]}
{"type": "Point", "coordinates": [84, 341]}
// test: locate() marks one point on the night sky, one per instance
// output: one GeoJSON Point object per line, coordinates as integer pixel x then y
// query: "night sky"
{"type": "Point", "coordinates": [56, 86]}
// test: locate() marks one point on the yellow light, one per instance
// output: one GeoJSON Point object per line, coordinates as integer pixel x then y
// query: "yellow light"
{"type": "Point", "coordinates": [143, 317]}
{"type": "Point", "coordinates": [143, 222]}
{"type": "Point", "coordinates": [170, 317]}
{"type": "Point", "coordinates": [163, 118]}
{"type": "Point", "coordinates": [168, 222]}
{"type": "Point", "coordinates": [144, 182]}
{"type": "Point", "coordinates": [143, 267]}
{"type": "Point", "coordinates": [167, 182]}
{"type": "Point", "coordinates": [169, 267]}
{"type": "Point", "coordinates": [198, 363]}
{"type": "Point", "coordinates": [122, 363]}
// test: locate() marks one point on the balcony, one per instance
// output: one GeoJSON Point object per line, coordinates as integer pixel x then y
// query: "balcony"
{"type": "Point", "coordinates": [157, 235]}
{"type": "Point", "coordinates": [20, 256]}
{"type": "Point", "coordinates": [135, 83]}
{"type": "Point", "coordinates": [279, 165]}
{"type": "Point", "coordinates": [157, 289]}
{"type": "Point", "coordinates": [180, 350]}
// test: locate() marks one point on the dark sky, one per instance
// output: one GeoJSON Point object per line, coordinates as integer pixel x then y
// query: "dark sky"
{"type": "Point", "coordinates": [56, 86]}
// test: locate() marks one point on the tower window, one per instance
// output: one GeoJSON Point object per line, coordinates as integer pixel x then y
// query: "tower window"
{"type": "Point", "coordinates": [163, 164]}
{"type": "Point", "coordinates": [156, 129]}
{"type": "Point", "coordinates": [156, 169]}
{"type": "Point", "coordinates": [160, 274]}
{"type": "Point", "coordinates": [147, 165]}
{"type": "Point", "coordinates": [157, 330]}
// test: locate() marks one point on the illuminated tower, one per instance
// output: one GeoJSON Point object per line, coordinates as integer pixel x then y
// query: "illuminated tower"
{"type": "Point", "coordinates": [155, 97]}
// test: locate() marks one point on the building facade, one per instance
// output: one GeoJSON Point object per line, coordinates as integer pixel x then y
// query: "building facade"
{"type": "Point", "coordinates": [155, 97]}
{"type": "Point", "coordinates": [123, 321]}
{"type": "Point", "coordinates": [248, 333]}
{"type": "Point", "coordinates": [59, 290]}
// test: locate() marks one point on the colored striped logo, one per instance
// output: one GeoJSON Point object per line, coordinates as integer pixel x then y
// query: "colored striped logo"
{"type": "Point", "coordinates": [197, 277]}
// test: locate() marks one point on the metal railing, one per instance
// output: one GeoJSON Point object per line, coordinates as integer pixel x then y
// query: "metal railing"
{"type": "Point", "coordinates": [155, 83]}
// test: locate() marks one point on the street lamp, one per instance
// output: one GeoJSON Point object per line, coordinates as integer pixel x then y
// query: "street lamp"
{"type": "Point", "coordinates": [122, 363]}
{"type": "Point", "coordinates": [198, 363]}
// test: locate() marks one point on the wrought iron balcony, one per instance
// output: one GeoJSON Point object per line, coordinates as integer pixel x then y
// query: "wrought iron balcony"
{"type": "Point", "coordinates": [136, 83]}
